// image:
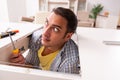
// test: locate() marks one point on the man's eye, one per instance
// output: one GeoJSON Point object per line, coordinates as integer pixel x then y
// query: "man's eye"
{"type": "Point", "coordinates": [56, 29]}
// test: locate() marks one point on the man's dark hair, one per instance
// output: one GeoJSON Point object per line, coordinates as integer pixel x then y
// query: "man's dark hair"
{"type": "Point", "coordinates": [69, 16]}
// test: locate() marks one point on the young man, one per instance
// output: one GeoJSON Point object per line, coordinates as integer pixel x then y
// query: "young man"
{"type": "Point", "coordinates": [52, 48]}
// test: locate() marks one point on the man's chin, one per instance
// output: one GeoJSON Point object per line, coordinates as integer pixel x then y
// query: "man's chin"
{"type": "Point", "coordinates": [44, 43]}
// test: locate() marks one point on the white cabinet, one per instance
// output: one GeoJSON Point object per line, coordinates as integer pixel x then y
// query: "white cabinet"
{"type": "Point", "coordinates": [82, 4]}
{"type": "Point", "coordinates": [107, 22]}
{"type": "Point", "coordinates": [74, 5]}
{"type": "Point", "coordinates": [48, 5]}
{"type": "Point", "coordinates": [57, 3]}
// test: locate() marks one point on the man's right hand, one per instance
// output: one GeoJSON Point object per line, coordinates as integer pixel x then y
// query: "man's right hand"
{"type": "Point", "coordinates": [17, 58]}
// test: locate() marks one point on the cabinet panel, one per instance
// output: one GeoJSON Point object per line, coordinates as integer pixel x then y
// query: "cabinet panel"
{"type": "Point", "coordinates": [107, 22]}
{"type": "Point", "coordinates": [48, 5]}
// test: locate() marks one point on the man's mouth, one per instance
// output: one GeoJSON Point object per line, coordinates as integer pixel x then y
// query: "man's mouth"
{"type": "Point", "coordinates": [45, 38]}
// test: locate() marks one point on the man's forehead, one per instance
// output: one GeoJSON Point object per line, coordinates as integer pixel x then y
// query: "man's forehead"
{"type": "Point", "coordinates": [57, 19]}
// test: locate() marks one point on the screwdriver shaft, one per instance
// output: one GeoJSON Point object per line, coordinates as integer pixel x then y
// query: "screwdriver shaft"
{"type": "Point", "coordinates": [12, 41]}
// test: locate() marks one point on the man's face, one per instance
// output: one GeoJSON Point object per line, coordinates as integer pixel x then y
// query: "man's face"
{"type": "Point", "coordinates": [54, 34]}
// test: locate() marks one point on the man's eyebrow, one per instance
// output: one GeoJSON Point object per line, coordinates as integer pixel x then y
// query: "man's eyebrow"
{"type": "Point", "coordinates": [57, 26]}
{"type": "Point", "coordinates": [54, 24]}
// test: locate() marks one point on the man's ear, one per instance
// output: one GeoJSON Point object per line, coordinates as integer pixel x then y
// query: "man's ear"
{"type": "Point", "coordinates": [68, 36]}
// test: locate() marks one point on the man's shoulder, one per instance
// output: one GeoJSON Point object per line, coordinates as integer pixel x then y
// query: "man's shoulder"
{"type": "Point", "coordinates": [71, 47]}
{"type": "Point", "coordinates": [36, 34]}
{"type": "Point", "coordinates": [70, 52]}
{"type": "Point", "coordinates": [71, 43]}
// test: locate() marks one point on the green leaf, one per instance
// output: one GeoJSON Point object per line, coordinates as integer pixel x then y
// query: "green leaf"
{"type": "Point", "coordinates": [95, 11]}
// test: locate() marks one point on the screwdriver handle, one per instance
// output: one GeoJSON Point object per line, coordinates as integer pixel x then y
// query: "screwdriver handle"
{"type": "Point", "coordinates": [15, 51]}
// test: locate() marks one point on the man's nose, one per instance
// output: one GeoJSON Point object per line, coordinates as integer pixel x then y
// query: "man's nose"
{"type": "Point", "coordinates": [47, 31]}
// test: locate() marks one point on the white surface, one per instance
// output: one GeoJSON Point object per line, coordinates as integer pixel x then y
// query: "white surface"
{"type": "Point", "coordinates": [98, 60]}
{"type": "Point", "coordinates": [19, 8]}
{"type": "Point", "coordinates": [108, 6]}
{"type": "Point", "coordinates": [32, 6]}
{"type": "Point", "coordinates": [25, 29]}
{"type": "Point", "coordinates": [109, 22]}
{"type": "Point", "coordinates": [16, 9]}
{"type": "Point", "coordinates": [19, 73]}
{"type": "Point", "coordinates": [3, 11]}
{"type": "Point", "coordinates": [58, 3]}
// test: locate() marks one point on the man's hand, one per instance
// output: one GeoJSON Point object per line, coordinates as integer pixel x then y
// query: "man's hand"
{"type": "Point", "coordinates": [17, 58]}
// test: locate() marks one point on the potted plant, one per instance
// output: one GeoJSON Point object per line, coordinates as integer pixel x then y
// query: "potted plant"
{"type": "Point", "coordinates": [95, 11]}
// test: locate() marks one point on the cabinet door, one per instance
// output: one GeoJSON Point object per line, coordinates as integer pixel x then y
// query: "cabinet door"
{"type": "Point", "coordinates": [48, 5]}
{"type": "Point", "coordinates": [107, 22]}
{"type": "Point", "coordinates": [57, 3]}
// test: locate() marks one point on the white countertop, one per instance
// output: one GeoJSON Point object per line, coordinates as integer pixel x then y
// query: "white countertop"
{"type": "Point", "coordinates": [98, 61]}
{"type": "Point", "coordinates": [25, 29]}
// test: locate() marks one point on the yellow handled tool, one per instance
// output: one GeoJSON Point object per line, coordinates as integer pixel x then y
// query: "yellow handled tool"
{"type": "Point", "coordinates": [15, 50]}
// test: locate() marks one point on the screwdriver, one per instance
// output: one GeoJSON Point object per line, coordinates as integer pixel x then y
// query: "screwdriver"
{"type": "Point", "coordinates": [15, 50]}
{"type": "Point", "coordinates": [5, 34]}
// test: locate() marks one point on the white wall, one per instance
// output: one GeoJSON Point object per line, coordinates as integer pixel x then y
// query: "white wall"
{"type": "Point", "coordinates": [16, 9]}
{"type": "Point", "coordinates": [19, 8]}
{"type": "Point", "coordinates": [32, 6]}
{"type": "Point", "coordinates": [112, 6]}
{"type": "Point", "coordinates": [3, 11]}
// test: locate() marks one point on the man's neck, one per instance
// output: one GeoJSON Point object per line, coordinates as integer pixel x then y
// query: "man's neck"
{"type": "Point", "coordinates": [49, 50]}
